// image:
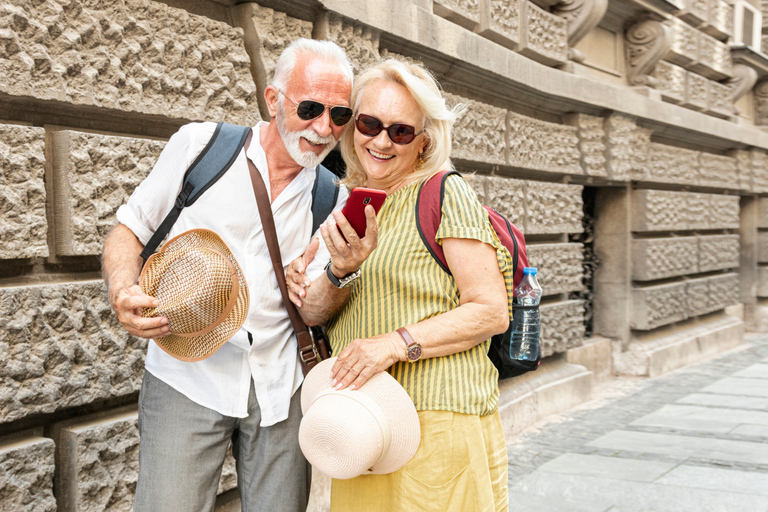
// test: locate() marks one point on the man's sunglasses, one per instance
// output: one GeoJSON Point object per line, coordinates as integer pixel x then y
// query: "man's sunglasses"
{"type": "Point", "coordinates": [399, 133]}
{"type": "Point", "coordinates": [310, 109]}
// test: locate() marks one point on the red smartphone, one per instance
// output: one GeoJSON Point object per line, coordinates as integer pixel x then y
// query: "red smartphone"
{"type": "Point", "coordinates": [354, 210]}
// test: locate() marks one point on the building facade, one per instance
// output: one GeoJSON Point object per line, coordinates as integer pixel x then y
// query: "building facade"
{"type": "Point", "coordinates": [624, 137]}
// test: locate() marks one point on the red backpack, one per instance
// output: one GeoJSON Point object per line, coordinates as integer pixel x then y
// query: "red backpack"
{"type": "Point", "coordinates": [428, 216]}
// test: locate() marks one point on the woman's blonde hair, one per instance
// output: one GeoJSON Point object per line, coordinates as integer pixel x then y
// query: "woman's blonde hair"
{"type": "Point", "coordinates": [437, 125]}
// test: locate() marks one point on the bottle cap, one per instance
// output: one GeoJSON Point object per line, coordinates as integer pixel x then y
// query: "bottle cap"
{"type": "Point", "coordinates": [530, 270]}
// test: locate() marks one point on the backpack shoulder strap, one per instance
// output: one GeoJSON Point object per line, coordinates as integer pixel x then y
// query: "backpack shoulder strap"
{"type": "Point", "coordinates": [429, 205]}
{"type": "Point", "coordinates": [210, 165]}
{"type": "Point", "coordinates": [325, 192]}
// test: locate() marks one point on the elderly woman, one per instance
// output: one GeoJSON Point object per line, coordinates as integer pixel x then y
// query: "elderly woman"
{"type": "Point", "coordinates": [403, 300]}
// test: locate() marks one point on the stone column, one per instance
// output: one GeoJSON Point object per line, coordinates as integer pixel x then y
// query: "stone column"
{"type": "Point", "coordinates": [613, 240]}
{"type": "Point", "coordinates": [748, 278]}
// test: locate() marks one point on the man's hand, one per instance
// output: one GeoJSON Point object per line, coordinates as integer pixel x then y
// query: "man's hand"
{"type": "Point", "coordinates": [128, 303]}
{"type": "Point", "coordinates": [348, 251]}
{"type": "Point", "coordinates": [295, 277]}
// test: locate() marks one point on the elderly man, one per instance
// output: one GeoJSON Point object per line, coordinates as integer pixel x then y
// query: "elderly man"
{"type": "Point", "coordinates": [247, 390]}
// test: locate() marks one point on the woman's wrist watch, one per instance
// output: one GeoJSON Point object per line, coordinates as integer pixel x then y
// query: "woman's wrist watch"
{"type": "Point", "coordinates": [412, 349]}
{"type": "Point", "coordinates": [344, 281]}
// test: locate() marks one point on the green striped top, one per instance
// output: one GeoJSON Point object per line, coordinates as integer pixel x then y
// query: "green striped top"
{"type": "Point", "coordinates": [401, 284]}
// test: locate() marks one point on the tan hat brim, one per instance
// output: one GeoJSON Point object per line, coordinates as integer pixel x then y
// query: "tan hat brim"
{"type": "Point", "coordinates": [196, 348]}
{"type": "Point", "coordinates": [395, 403]}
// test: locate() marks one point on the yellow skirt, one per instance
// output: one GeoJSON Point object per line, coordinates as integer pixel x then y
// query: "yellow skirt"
{"type": "Point", "coordinates": [461, 466]}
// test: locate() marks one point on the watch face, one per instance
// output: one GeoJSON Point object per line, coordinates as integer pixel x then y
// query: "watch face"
{"type": "Point", "coordinates": [414, 352]}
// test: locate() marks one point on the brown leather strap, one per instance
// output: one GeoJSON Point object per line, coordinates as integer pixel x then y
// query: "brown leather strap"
{"type": "Point", "coordinates": [406, 336]}
{"type": "Point", "coordinates": [307, 351]}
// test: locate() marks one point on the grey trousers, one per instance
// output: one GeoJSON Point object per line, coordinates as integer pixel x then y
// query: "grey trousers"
{"type": "Point", "coordinates": [182, 451]}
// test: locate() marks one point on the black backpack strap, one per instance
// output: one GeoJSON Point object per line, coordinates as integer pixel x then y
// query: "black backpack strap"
{"type": "Point", "coordinates": [325, 192]}
{"type": "Point", "coordinates": [210, 165]}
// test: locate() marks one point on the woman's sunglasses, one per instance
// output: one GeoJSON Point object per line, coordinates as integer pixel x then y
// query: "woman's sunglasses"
{"type": "Point", "coordinates": [310, 109]}
{"type": "Point", "coordinates": [399, 133]}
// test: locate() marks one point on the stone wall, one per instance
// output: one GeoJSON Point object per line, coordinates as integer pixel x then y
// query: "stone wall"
{"type": "Point", "coordinates": [91, 91]}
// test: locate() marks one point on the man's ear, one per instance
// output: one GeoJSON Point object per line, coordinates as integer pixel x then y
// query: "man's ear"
{"type": "Point", "coordinates": [271, 96]}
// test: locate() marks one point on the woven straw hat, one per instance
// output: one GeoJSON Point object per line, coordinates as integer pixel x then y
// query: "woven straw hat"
{"type": "Point", "coordinates": [370, 430]}
{"type": "Point", "coordinates": [201, 290]}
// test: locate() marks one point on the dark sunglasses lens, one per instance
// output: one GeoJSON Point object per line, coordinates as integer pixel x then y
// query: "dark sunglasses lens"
{"type": "Point", "coordinates": [341, 115]}
{"type": "Point", "coordinates": [401, 133]}
{"type": "Point", "coordinates": [369, 125]}
{"type": "Point", "coordinates": [309, 109]}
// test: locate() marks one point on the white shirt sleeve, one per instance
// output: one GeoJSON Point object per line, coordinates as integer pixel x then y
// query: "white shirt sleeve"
{"type": "Point", "coordinates": [156, 195]}
{"type": "Point", "coordinates": [317, 267]}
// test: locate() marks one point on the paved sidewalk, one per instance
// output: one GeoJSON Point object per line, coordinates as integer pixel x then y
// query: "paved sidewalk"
{"type": "Point", "coordinates": [694, 440]}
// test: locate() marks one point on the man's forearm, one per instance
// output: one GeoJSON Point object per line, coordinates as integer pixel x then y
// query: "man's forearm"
{"type": "Point", "coordinates": [322, 301]}
{"type": "Point", "coordinates": [121, 263]}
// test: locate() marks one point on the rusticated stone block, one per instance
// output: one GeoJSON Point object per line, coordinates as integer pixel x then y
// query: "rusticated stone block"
{"type": "Point", "coordinates": [553, 208]}
{"type": "Point", "coordinates": [714, 59]}
{"type": "Point", "coordinates": [559, 265]}
{"type": "Point", "coordinates": [546, 36]}
{"type": "Point", "coordinates": [762, 219]}
{"type": "Point", "coordinates": [661, 210]}
{"type": "Point", "coordinates": [718, 171]}
{"type": "Point", "coordinates": [762, 247]}
{"type": "Point", "coordinates": [591, 133]}
{"type": "Point", "coordinates": [268, 33]}
{"type": "Point", "coordinates": [759, 170]}
{"type": "Point", "coordinates": [714, 293]}
{"type": "Point", "coordinates": [712, 211]}
{"type": "Point", "coordinates": [659, 305]}
{"type": "Point", "coordinates": [670, 164]}
{"type": "Point", "coordinates": [62, 347]}
{"type": "Point", "coordinates": [501, 21]}
{"type": "Point", "coordinates": [479, 134]}
{"type": "Point", "coordinates": [93, 175]}
{"type": "Point", "coordinates": [671, 81]}
{"type": "Point", "coordinates": [26, 475]}
{"type": "Point", "coordinates": [542, 146]}
{"type": "Point", "coordinates": [762, 281]}
{"type": "Point", "coordinates": [720, 99]}
{"type": "Point", "coordinates": [507, 196]}
{"type": "Point", "coordinates": [685, 46]}
{"type": "Point", "coordinates": [462, 12]}
{"type": "Point", "coordinates": [477, 182]}
{"type": "Point", "coordinates": [359, 41]}
{"type": "Point", "coordinates": [744, 168]}
{"type": "Point", "coordinates": [696, 91]}
{"type": "Point", "coordinates": [562, 326]}
{"type": "Point", "coordinates": [659, 258]}
{"type": "Point", "coordinates": [23, 226]}
{"type": "Point", "coordinates": [723, 291]}
{"type": "Point", "coordinates": [718, 252]}
{"type": "Point", "coordinates": [628, 146]}
{"type": "Point", "coordinates": [135, 56]}
{"type": "Point", "coordinates": [99, 464]}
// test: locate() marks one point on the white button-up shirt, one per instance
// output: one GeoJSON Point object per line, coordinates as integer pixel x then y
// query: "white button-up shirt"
{"type": "Point", "coordinates": [222, 381]}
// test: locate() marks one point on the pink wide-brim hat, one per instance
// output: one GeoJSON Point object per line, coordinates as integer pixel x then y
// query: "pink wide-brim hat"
{"type": "Point", "coordinates": [371, 430]}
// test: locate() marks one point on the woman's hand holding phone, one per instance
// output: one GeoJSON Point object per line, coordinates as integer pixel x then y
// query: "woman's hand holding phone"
{"type": "Point", "coordinates": [350, 246]}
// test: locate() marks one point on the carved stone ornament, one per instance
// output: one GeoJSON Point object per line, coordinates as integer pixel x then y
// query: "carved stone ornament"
{"type": "Point", "coordinates": [744, 79]}
{"type": "Point", "coordinates": [761, 104]}
{"type": "Point", "coordinates": [582, 16]}
{"type": "Point", "coordinates": [647, 42]}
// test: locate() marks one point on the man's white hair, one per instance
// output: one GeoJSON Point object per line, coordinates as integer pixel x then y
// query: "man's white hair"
{"type": "Point", "coordinates": [321, 49]}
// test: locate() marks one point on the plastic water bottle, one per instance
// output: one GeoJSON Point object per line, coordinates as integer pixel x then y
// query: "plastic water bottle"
{"type": "Point", "coordinates": [526, 323]}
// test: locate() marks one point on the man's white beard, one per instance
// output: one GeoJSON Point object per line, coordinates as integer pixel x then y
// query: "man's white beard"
{"type": "Point", "coordinates": [292, 141]}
